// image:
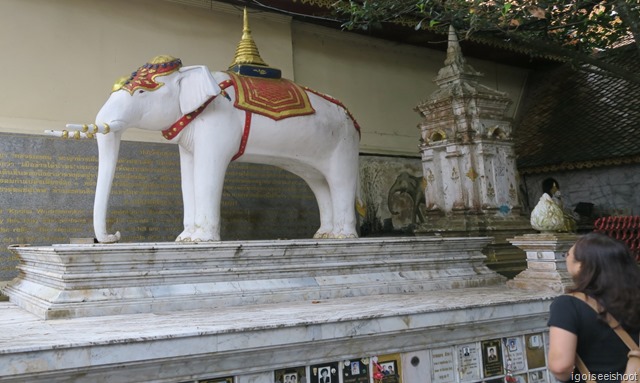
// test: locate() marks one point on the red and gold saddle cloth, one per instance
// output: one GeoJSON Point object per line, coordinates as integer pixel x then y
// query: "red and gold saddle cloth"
{"type": "Point", "coordinates": [274, 98]}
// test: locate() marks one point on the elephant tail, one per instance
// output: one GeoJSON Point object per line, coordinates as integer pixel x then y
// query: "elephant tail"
{"type": "Point", "coordinates": [361, 206]}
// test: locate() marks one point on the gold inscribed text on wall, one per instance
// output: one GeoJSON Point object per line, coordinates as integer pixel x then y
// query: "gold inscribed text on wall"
{"type": "Point", "coordinates": [47, 188]}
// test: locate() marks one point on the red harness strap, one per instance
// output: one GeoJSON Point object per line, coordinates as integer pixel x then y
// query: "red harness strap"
{"type": "Point", "coordinates": [185, 120]}
{"type": "Point", "coordinates": [182, 123]}
{"type": "Point", "coordinates": [245, 136]}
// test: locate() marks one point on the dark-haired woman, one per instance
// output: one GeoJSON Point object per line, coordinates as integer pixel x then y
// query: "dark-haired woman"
{"type": "Point", "coordinates": [604, 270]}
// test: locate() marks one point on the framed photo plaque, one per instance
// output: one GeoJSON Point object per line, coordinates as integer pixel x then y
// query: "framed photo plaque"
{"type": "Point", "coordinates": [534, 344]}
{"type": "Point", "coordinates": [325, 373]}
{"type": "Point", "coordinates": [492, 357]}
{"type": "Point", "coordinates": [291, 375]}
{"type": "Point", "coordinates": [468, 362]}
{"type": "Point", "coordinates": [514, 354]}
{"type": "Point", "coordinates": [390, 367]}
{"type": "Point", "coordinates": [355, 371]}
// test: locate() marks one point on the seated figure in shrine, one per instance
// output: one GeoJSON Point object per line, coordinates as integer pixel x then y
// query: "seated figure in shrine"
{"type": "Point", "coordinates": [549, 214]}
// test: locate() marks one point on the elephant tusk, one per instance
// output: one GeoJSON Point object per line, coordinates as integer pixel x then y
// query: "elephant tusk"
{"type": "Point", "coordinates": [78, 131]}
{"type": "Point", "coordinates": [92, 128]}
{"type": "Point", "coordinates": [65, 134]}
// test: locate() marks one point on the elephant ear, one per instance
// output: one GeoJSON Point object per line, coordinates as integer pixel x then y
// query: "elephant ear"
{"type": "Point", "coordinates": [197, 85]}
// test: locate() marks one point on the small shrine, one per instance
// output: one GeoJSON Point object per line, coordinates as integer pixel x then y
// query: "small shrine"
{"type": "Point", "coordinates": [468, 162]}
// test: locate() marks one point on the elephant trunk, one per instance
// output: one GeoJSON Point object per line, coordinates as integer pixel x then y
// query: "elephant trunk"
{"type": "Point", "coordinates": [108, 150]}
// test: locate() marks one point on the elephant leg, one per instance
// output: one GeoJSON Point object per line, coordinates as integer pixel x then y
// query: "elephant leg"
{"type": "Point", "coordinates": [208, 196]}
{"type": "Point", "coordinates": [188, 195]}
{"type": "Point", "coordinates": [212, 153]}
{"type": "Point", "coordinates": [342, 182]}
{"type": "Point", "coordinates": [344, 215]}
{"type": "Point", "coordinates": [320, 189]}
{"type": "Point", "coordinates": [318, 185]}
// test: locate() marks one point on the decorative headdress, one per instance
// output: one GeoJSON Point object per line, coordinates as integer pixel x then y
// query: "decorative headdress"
{"type": "Point", "coordinates": [145, 77]}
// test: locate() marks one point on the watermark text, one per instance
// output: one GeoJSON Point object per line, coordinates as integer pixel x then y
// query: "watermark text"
{"type": "Point", "coordinates": [613, 376]}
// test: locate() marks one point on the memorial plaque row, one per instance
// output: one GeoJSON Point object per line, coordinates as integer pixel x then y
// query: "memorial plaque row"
{"type": "Point", "coordinates": [516, 359]}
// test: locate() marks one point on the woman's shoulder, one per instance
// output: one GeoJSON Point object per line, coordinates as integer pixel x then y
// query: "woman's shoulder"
{"type": "Point", "coordinates": [570, 298]}
{"type": "Point", "coordinates": [566, 300]}
{"type": "Point", "coordinates": [570, 313]}
{"type": "Point", "coordinates": [568, 303]}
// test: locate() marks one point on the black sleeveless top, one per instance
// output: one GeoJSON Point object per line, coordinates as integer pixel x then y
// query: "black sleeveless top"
{"type": "Point", "coordinates": [600, 348]}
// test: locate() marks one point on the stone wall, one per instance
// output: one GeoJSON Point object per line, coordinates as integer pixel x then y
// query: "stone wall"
{"type": "Point", "coordinates": [612, 190]}
{"type": "Point", "coordinates": [47, 187]}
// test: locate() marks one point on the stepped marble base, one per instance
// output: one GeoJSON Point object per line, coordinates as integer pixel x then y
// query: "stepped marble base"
{"type": "Point", "coordinates": [502, 256]}
{"type": "Point", "coordinates": [70, 281]}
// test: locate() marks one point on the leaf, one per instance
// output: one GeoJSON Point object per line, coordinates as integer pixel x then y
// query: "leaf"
{"type": "Point", "coordinates": [537, 12]}
{"type": "Point", "coordinates": [506, 8]}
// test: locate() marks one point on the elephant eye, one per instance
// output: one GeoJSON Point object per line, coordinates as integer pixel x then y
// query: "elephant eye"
{"type": "Point", "coordinates": [140, 91]}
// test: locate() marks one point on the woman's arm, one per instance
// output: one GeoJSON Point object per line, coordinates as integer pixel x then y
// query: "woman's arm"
{"type": "Point", "coordinates": [562, 352]}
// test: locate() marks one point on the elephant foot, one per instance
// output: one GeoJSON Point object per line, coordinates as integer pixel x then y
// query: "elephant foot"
{"type": "Point", "coordinates": [202, 236]}
{"type": "Point", "coordinates": [335, 236]}
{"type": "Point", "coordinates": [194, 240]}
{"type": "Point", "coordinates": [343, 236]}
{"type": "Point", "coordinates": [109, 238]}
{"type": "Point", "coordinates": [185, 236]}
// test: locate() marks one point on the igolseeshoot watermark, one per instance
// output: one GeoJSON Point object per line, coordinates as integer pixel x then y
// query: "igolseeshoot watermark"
{"type": "Point", "coordinates": [614, 376]}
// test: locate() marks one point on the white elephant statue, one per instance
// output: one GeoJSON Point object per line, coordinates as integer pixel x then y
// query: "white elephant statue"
{"type": "Point", "coordinates": [321, 147]}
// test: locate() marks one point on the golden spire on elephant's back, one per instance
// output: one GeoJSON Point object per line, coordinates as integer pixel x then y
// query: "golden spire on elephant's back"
{"type": "Point", "coordinates": [247, 61]}
{"type": "Point", "coordinates": [247, 51]}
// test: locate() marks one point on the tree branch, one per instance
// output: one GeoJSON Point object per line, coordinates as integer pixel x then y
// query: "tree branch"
{"type": "Point", "coordinates": [630, 19]}
{"type": "Point", "coordinates": [577, 58]}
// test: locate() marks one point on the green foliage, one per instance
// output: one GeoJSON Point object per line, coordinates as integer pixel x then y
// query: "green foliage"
{"type": "Point", "coordinates": [575, 26]}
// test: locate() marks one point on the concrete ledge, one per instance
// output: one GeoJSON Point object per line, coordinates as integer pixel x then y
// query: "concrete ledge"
{"type": "Point", "coordinates": [194, 344]}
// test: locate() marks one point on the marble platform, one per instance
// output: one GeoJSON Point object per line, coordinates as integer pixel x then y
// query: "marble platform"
{"type": "Point", "coordinates": [244, 312]}
{"type": "Point", "coordinates": [70, 281]}
{"type": "Point", "coordinates": [250, 342]}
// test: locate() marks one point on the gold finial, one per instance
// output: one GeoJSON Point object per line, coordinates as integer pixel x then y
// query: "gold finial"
{"type": "Point", "coordinates": [247, 51]}
{"type": "Point", "coordinates": [119, 84]}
